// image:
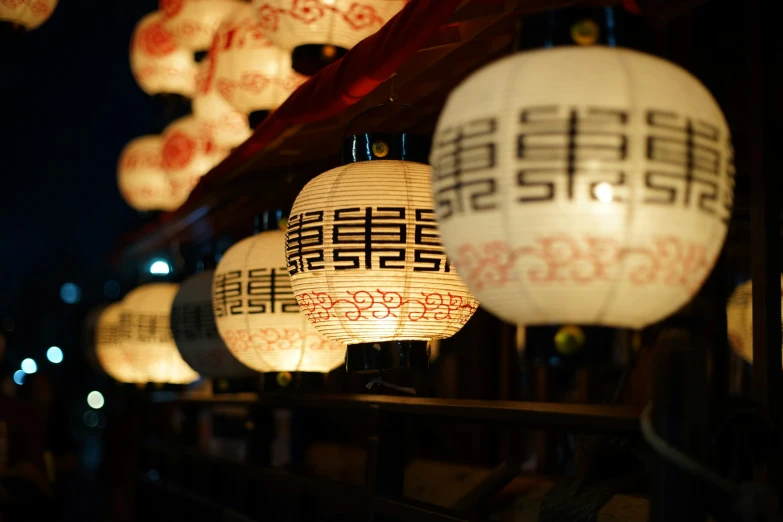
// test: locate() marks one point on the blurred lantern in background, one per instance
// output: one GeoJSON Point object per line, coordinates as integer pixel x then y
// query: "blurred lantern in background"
{"type": "Point", "coordinates": [195, 332]}
{"type": "Point", "coordinates": [112, 356]}
{"type": "Point", "coordinates": [189, 151]}
{"type": "Point", "coordinates": [251, 73]}
{"type": "Point", "coordinates": [226, 126]}
{"type": "Point", "coordinates": [583, 186]}
{"type": "Point", "coordinates": [318, 32]}
{"type": "Point", "coordinates": [257, 314]}
{"type": "Point", "coordinates": [26, 14]}
{"type": "Point", "coordinates": [158, 63]}
{"type": "Point", "coordinates": [739, 318]}
{"type": "Point", "coordinates": [194, 22]}
{"type": "Point", "coordinates": [145, 334]}
{"type": "Point", "coordinates": [366, 262]}
{"type": "Point", "coordinates": [142, 180]}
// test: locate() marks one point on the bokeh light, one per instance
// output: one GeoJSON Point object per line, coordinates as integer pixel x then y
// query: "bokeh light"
{"type": "Point", "coordinates": [29, 366]}
{"type": "Point", "coordinates": [160, 267]}
{"type": "Point", "coordinates": [54, 354]}
{"type": "Point", "coordinates": [19, 377]}
{"type": "Point", "coordinates": [111, 289]}
{"type": "Point", "coordinates": [70, 293]}
{"type": "Point", "coordinates": [95, 400]}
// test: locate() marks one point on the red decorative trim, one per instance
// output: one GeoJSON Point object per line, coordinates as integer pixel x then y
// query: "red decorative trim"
{"type": "Point", "coordinates": [276, 340]}
{"type": "Point", "coordinates": [668, 260]}
{"type": "Point", "coordinates": [178, 150]}
{"type": "Point", "coordinates": [378, 304]}
{"type": "Point", "coordinates": [358, 16]}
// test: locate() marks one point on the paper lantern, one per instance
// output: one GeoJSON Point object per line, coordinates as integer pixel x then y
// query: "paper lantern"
{"type": "Point", "coordinates": [28, 14]}
{"type": "Point", "coordinates": [159, 64]}
{"type": "Point", "coordinates": [142, 180]}
{"type": "Point", "coordinates": [145, 334]}
{"type": "Point", "coordinates": [226, 126]}
{"type": "Point", "coordinates": [582, 185]}
{"type": "Point", "coordinates": [111, 354]}
{"type": "Point", "coordinates": [257, 315]}
{"type": "Point", "coordinates": [739, 318]}
{"type": "Point", "coordinates": [328, 25]}
{"type": "Point", "coordinates": [366, 262]}
{"type": "Point", "coordinates": [195, 332]}
{"type": "Point", "coordinates": [194, 22]}
{"type": "Point", "coordinates": [251, 73]}
{"type": "Point", "coordinates": [189, 150]}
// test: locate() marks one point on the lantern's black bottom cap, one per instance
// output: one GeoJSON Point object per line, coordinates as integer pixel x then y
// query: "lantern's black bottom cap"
{"type": "Point", "coordinates": [308, 59]}
{"type": "Point", "coordinates": [389, 355]}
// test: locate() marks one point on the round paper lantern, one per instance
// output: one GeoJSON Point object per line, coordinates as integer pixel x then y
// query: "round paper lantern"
{"type": "Point", "coordinates": [189, 150]}
{"type": "Point", "coordinates": [582, 185]}
{"type": "Point", "coordinates": [194, 22]}
{"type": "Point", "coordinates": [28, 14]}
{"type": "Point", "coordinates": [257, 315]}
{"type": "Point", "coordinates": [324, 26]}
{"type": "Point", "coordinates": [366, 262]}
{"type": "Point", "coordinates": [226, 126]}
{"type": "Point", "coordinates": [142, 180]}
{"type": "Point", "coordinates": [195, 332]}
{"type": "Point", "coordinates": [111, 354]}
{"type": "Point", "coordinates": [159, 64]}
{"type": "Point", "coordinates": [145, 334]}
{"type": "Point", "coordinates": [739, 318]}
{"type": "Point", "coordinates": [251, 73]}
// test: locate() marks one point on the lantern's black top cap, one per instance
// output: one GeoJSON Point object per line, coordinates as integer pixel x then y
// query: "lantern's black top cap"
{"type": "Point", "coordinates": [385, 146]}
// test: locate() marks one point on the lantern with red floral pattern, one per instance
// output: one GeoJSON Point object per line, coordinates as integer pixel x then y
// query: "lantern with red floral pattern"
{"type": "Point", "coordinates": [189, 151]}
{"type": "Point", "coordinates": [194, 22]}
{"type": "Point", "coordinates": [26, 14]}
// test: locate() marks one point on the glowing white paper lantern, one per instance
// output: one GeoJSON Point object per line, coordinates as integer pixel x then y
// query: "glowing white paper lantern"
{"type": "Point", "coordinates": [226, 126]}
{"type": "Point", "coordinates": [365, 257]}
{"type": "Point", "coordinates": [583, 185]}
{"type": "Point", "coordinates": [145, 334]}
{"type": "Point", "coordinates": [189, 151]}
{"type": "Point", "coordinates": [111, 354]}
{"type": "Point", "coordinates": [195, 332]}
{"type": "Point", "coordinates": [159, 64]}
{"type": "Point", "coordinates": [257, 314]}
{"type": "Point", "coordinates": [251, 73]}
{"type": "Point", "coordinates": [194, 22]}
{"type": "Point", "coordinates": [340, 23]}
{"type": "Point", "coordinates": [142, 180]}
{"type": "Point", "coordinates": [26, 13]}
{"type": "Point", "coordinates": [739, 318]}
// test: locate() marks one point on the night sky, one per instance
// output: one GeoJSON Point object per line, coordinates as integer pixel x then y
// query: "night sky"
{"type": "Point", "coordinates": [69, 106]}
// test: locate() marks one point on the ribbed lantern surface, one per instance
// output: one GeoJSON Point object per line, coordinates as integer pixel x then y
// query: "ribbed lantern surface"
{"type": "Point", "coordinates": [365, 258]}
{"type": "Point", "coordinates": [582, 185]}
{"type": "Point", "coordinates": [195, 331]}
{"type": "Point", "coordinates": [257, 314]}
{"type": "Point", "coordinates": [145, 334]}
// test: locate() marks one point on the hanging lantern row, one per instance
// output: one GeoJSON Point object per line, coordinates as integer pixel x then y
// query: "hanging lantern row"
{"type": "Point", "coordinates": [134, 340]}
{"type": "Point", "coordinates": [26, 15]}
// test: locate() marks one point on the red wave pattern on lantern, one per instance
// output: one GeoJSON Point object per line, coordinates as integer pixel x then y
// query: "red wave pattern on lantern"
{"type": "Point", "coordinates": [378, 304]}
{"type": "Point", "coordinates": [276, 339]}
{"type": "Point", "coordinates": [567, 259]}
{"type": "Point", "coordinates": [358, 16]}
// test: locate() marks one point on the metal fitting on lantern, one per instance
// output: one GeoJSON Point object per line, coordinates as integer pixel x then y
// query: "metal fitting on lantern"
{"type": "Point", "coordinates": [390, 355]}
{"type": "Point", "coordinates": [371, 146]}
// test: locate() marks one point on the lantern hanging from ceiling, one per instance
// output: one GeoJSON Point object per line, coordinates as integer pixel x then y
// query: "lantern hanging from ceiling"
{"type": "Point", "coordinates": [194, 22]}
{"type": "Point", "coordinates": [113, 356]}
{"type": "Point", "coordinates": [159, 64]}
{"type": "Point", "coordinates": [27, 14]}
{"type": "Point", "coordinates": [739, 319]}
{"type": "Point", "coordinates": [314, 30]}
{"type": "Point", "coordinates": [195, 331]}
{"type": "Point", "coordinates": [145, 334]}
{"type": "Point", "coordinates": [142, 180]}
{"type": "Point", "coordinates": [365, 258]}
{"type": "Point", "coordinates": [582, 185]}
{"type": "Point", "coordinates": [226, 126]}
{"type": "Point", "coordinates": [257, 314]}
{"type": "Point", "coordinates": [189, 151]}
{"type": "Point", "coordinates": [251, 73]}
